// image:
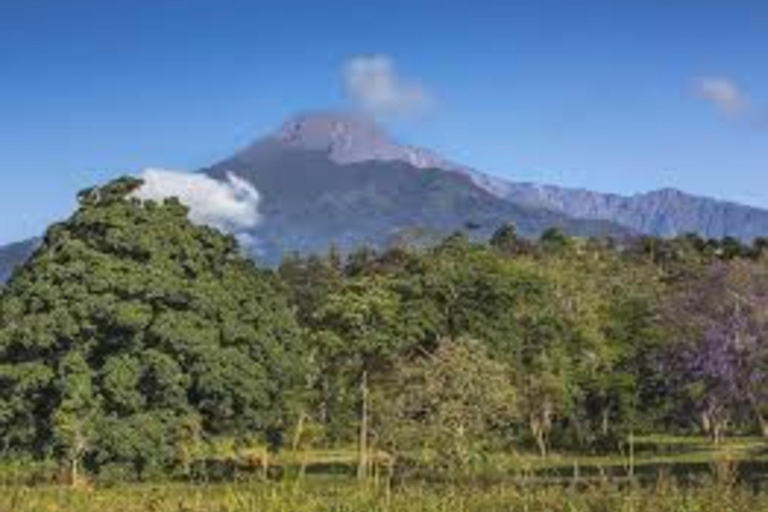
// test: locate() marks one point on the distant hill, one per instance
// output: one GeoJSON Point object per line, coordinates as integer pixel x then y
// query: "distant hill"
{"type": "Point", "coordinates": [14, 255]}
{"type": "Point", "coordinates": [665, 212]}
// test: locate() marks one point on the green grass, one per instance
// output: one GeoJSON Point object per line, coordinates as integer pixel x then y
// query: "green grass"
{"type": "Point", "coordinates": [650, 450]}
{"type": "Point", "coordinates": [348, 496]}
{"type": "Point", "coordinates": [507, 482]}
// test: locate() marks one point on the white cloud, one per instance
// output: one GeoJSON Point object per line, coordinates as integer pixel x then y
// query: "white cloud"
{"type": "Point", "coordinates": [231, 205]}
{"type": "Point", "coordinates": [375, 85]}
{"type": "Point", "coordinates": [723, 92]}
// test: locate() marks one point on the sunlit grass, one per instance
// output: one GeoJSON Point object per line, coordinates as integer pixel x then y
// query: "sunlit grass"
{"type": "Point", "coordinates": [349, 496]}
{"type": "Point", "coordinates": [518, 482]}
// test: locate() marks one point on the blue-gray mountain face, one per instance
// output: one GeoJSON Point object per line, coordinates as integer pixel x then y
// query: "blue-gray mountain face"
{"type": "Point", "coordinates": [13, 255]}
{"type": "Point", "coordinates": [665, 212]}
{"type": "Point", "coordinates": [338, 178]}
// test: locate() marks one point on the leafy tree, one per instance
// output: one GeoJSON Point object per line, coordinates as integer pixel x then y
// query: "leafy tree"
{"type": "Point", "coordinates": [73, 421]}
{"type": "Point", "coordinates": [554, 239]}
{"type": "Point", "coordinates": [451, 407]}
{"type": "Point", "coordinates": [355, 341]}
{"type": "Point", "coordinates": [719, 353]}
{"type": "Point", "coordinates": [621, 382]}
{"type": "Point", "coordinates": [130, 324]}
{"type": "Point", "coordinates": [506, 240]}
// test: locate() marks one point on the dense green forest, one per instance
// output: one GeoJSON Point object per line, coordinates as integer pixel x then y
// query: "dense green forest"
{"type": "Point", "coordinates": [134, 343]}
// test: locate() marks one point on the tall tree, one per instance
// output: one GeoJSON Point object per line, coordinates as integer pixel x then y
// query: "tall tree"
{"type": "Point", "coordinates": [719, 328]}
{"type": "Point", "coordinates": [129, 314]}
{"type": "Point", "coordinates": [449, 408]}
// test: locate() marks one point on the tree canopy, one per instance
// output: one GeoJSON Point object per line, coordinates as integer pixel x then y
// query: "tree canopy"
{"type": "Point", "coordinates": [136, 342]}
{"type": "Point", "coordinates": [132, 332]}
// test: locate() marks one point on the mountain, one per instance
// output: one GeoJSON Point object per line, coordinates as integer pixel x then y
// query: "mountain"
{"type": "Point", "coordinates": [354, 138]}
{"type": "Point", "coordinates": [666, 212]}
{"type": "Point", "coordinates": [13, 255]}
{"type": "Point", "coordinates": [337, 178]}
{"type": "Point", "coordinates": [347, 139]}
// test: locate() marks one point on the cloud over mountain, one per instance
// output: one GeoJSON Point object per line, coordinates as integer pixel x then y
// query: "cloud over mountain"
{"type": "Point", "coordinates": [231, 205]}
{"type": "Point", "coordinates": [375, 85]}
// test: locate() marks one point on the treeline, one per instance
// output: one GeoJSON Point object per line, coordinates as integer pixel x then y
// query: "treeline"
{"type": "Point", "coordinates": [136, 343]}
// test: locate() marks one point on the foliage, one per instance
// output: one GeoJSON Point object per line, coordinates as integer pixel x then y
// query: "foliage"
{"type": "Point", "coordinates": [718, 328]}
{"type": "Point", "coordinates": [135, 343]}
{"type": "Point", "coordinates": [132, 332]}
{"type": "Point", "coordinates": [447, 408]}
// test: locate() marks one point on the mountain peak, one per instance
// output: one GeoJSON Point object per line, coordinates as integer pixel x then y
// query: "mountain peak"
{"type": "Point", "coordinates": [346, 136]}
{"type": "Point", "coordinates": [350, 137]}
{"type": "Point", "coordinates": [667, 192]}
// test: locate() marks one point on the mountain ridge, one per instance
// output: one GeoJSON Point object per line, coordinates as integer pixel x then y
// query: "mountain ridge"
{"type": "Point", "coordinates": [664, 212]}
{"type": "Point", "coordinates": [309, 201]}
{"type": "Point", "coordinates": [350, 137]}
{"type": "Point", "coordinates": [330, 177]}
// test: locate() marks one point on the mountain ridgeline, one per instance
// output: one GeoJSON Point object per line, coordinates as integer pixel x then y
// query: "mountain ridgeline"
{"type": "Point", "coordinates": [666, 212]}
{"type": "Point", "coordinates": [330, 178]}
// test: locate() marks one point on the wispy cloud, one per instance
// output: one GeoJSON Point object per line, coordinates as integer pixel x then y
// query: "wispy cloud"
{"type": "Point", "coordinates": [374, 84]}
{"type": "Point", "coordinates": [723, 92]}
{"type": "Point", "coordinates": [231, 206]}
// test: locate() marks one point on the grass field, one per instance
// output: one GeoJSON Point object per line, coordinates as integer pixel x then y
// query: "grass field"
{"type": "Point", "coordinates": [666, 474]}
{"type": "Point", "coordinates": [337, 496]}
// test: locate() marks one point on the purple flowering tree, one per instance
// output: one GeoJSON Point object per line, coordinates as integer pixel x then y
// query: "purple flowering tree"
{"type": "Point", "coordinates": [718, 353]}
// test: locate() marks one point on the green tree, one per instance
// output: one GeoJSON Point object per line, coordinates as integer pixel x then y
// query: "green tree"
{"type": "Point", "coordinates": [356, 341]}
{"type": "Point", "coordinates": [450, 408]}
{"type": "Point", "coordinates": [131, 324]}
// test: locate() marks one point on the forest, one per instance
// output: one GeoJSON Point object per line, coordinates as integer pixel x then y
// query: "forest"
{"type": "Point", "coordinates": [135, 346]}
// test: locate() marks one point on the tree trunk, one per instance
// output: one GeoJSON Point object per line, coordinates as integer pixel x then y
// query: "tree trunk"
{"type": "Point", "coordinates": [605, 421]}
{"type": "Point", "coordinates": [362, 468]}
{"type": "Point", "coordinates": [712, 425]}
{"type": "Point", "coordinates": [542, 443]}
{"type": "Point", "coordinates": [73, 472]}
{"type": "Point", "coordinates": [761, 420]}
{"type": "Point", "coordinates": [540, 424]}
{"type": "Point", "coordinates": [74, 460]}
{"type": "Point", "coordinates": [299, 431]}
{"type": "Point", "coordinates": [537, 430]}
{"type": "Point", "coordinates": [717, 432]}
{"type": "Point", "coordinates": [706, 424]}
{"type": "Point", "coordinates": [265, 463]}
{"type": "Point", "coordinates": [390, 477]}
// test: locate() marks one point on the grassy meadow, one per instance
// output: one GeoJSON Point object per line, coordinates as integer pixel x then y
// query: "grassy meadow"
{"type": "Point", "coordinates": [667, 474]}
{"type": "Point", "coordinates": [353, 497]}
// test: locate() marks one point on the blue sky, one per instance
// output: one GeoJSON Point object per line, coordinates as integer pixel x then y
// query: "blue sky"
{"type": "Point", "coordinates": [621, 96]}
